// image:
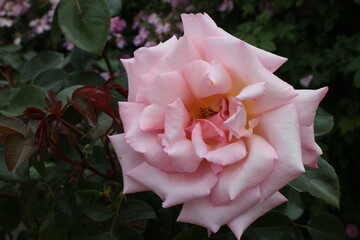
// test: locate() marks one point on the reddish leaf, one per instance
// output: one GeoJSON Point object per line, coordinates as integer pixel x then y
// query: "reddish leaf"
{"type": "Point", "coordinates": [41, 137]}
{"type": "Point", "coordinates": [83, 105]}
{"type": "Point", "coordinates": [17, 150]}
{"type": "Point", "coordinates": [34, 113]}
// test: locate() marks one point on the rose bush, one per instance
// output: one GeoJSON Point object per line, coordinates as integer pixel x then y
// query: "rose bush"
{"type": "Point", "coordinates": [208, 125]}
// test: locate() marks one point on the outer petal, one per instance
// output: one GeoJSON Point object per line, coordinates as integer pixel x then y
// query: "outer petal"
{"type": "Point", "coordinates": [175, 188]}
{"type": "Point", "coordinates": [143, 61]}
{"type": "Point", "coordinates": [179, 148]}
{"type": "Point", "coordinates": [128, 159]}
{"type": "Point", "coordinates": [140, 141]}
{"type": "Point", "coordinates": [280, 128]}
{"type": "Point", "coordinates": [201, 26]}
{"type": "Point", "coordinates": [202, 212]}
{"type": "Point", "coordinates": [248, 173]}
{"type": "Point", "coordinates": [306, 104]}
{"type": "Point", "coordinates": [239, 224]}
{"type": "Point", "coordinates": [245, 68]}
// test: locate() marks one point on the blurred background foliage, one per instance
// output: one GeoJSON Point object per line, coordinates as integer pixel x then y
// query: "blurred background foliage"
{"type": "Point", "coordinates": [64, 182]}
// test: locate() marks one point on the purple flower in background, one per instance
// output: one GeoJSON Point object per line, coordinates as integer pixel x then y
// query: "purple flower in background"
{"type": "Point", "coordinates": [141, 37]}
{"type": "Point", "coordinates": [140, 16]}
{"type": "Point", "coordinates": [226, 6]}
{"type": "Point", "coordinates": [40, 25]}
{"type": "Point", "coordinates": [178, 3]}
{"type": "Point", "coordinates": [163, 28]}
{"type": "Point", "coordinates": [352, 230]}
{"type": "Point", "coordinates": [14, 8]}
{"type": "Point", "coordinates": [117, 25]}
{"type": "Point", "coordinates": [120, 41]}
{"type": "Point", "coordinates": [305, 81]}
{"type": "Point", "coordinates": [6, 22]}
{"type": "Point", "coordinates": [153, 19]}
{"type": "Point", "coordinates": [68, 45]}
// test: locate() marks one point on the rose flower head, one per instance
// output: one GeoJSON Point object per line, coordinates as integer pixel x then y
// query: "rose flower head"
{"type": "Point", "coordinates": [208, 125]}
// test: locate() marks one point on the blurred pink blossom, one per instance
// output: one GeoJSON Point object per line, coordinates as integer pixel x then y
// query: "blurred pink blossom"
{"type": "Point", "coordinates": [163, 28]}
{"type": "Point", "coordinates": [226, 6]}
{"type": "Point", "coordinates": [141, 37]}
{"type": "Point", "coordinates": [68, 45]}
{"type": "Point", "coordinates": [352, 230]}
{"type": "Point", "coordinates": [178, 3]}
{"type": "Point", "coordinates": [6, 22]}
{"type": "Point", "coordinates": [305, 81]}
{"type": "Point", "coordinates": [40, 25]}
{"type": "Point", "coordinates": [14, 8]}
{"type": "Point", "coordinates": [117, 25]}
{"type": "Point", "coordinates": [153, 19]}
{"type": "Point", "coordinates": [120, 41]}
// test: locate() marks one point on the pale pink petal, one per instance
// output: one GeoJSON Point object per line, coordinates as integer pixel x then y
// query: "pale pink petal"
{"type": "Point", "coordinates": [202, 212]}
{"type": "Point", "coordinates": [179, 148]}
{"type": "Point", "coordinates": [201, 26]}
{"type": "Point", "coordinates": [280, 128]}
{"type": "Point", "coordinates": [140, 141]}
{"type": "Point", "coordinates": [252, 91]}
{"type": "Point", "coordinates": [198, 141]}
{"type": "Point", "coordinates": [247, 173]}
{"type": "Point", "coordinates": [227, 154]}
{"type": "Point", "coordinates": [128, 160]}
{"type": "Point", "coordinates": [206, 79]}
{"type": "Point", "coordinates": [144, 59]}
{"type": "Point", "coordinates": [175, 188]}
{"type": "Point", "coordinates": [152, 118]}
{"type": "Point", "coordinates": [239, 224]}
{"type": "Point", "coordinates": [237, 123]}
{"type": "Point", "coordinates": [306, 104]}
{"type": "Point", "coordinates": [244, 66]}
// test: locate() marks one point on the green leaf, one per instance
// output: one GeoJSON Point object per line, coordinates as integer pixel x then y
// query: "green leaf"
{"type": "Point", "coordinates": [86, 78]}
{"type": "Point", "coordinates": [50, 230]}
{"type": "Point", "coordinates": [21, 175]}
{"type": "Point", "coordinates": [88, 202]}
{"type": "Point", "coordinates": [81, 60]}
{"type": "Point", "coordinates": [136, 210]}
{"type": "Point", "coordinates": [28, 96]}
{"type": "Point", "coordinates": [55, 28]}
{"type": "Point", "coordinates": [41, 62]}
{"type": "Point", "coordinates": [324, 122]}
{"type": "Point", "coordinates": [320, 182]}
{"type": "Point", "coordinates": [12, 125]}
{"type": "Point", "coordinates": [85, 23]}
{"type": "Point", "coordinates": [115, 7]}
{"type": "Point", "coordinates": [326, 227]}
{"type": "Point", "coordinates": [17, 150]}
{"type": "Point", "coordinates": [195, 232]}
{"type": "Point", "coordinates": [10, 216]}
{"type": "Point", "coordinates": [66, 93]}
{"type": "Point", "coordinates": [6, 96]}
{"type": "Point", "coordinates": [293, 208]}
{"type": "Point", "coordinates": [51, 79]}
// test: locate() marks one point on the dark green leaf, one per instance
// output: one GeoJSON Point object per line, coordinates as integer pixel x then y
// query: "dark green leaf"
{"type": "Point", "coordinates": [81, 60]}
{"type": "Point", "coordinates": [115, 7]}
{"type": "Point", "coordinates": [326, 227]}
{"type": "Point", "coordinates": [17, 150]}
{"type": "Point", "coordinates": [88, 202]}
{"type": "Point", "coordinates": [51, 79]}
{"type": "Point", "coordinates": [324, 122]}
{"type": "Point", "coordinates": [50, 230]}
{"type": "Point", "coordinates": [192, 233]}
{"type": "Point", "coordinates": [6, 96]}
{"type": "Point", "coordinates": [85, 23]}
{"type": "Point", "coordinates": [55, 28]}
{"type": "Point", "coordinates": [66, 93]}
{"type": "Point", "coordinates": [293, 208]}
{"type": "Point", "coordinates": [136, 210]}
{"type": "Point", "coordinates": [86, 78]}
{"type": "Point", "coordinates": [28, 96]}
{"type": "Point", "coordinates": [12, 125]}
{"type": "Point", "coordinates": [320, 182]}
{"type": "Point", "coordinates": [21, 175]}
{"type": "Point", "coordinates": [39, 63]}
{"type": "Point", "coordinates": [10, 216]}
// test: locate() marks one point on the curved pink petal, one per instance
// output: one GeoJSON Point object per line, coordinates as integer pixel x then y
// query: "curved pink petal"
{"type": "Point", "coordinates": [144, 59]}
{"type": "Point", "coordinates": [252, 91]}
{"type": "Point", "coordinates": [140, 141]}
{"type": "Point", "coordinates": [306, 104]}
{"type": "Point", "coordinates": [128, 159]}
{"type": "Point", "coordinates": [280, 128]}
{"type": "Point", "coordinates": [237, 123]}
{"type": "Point", "coordinates": [207, 79]}
{"type": "Point", "coordinates": [227, 154]}
{"type": "Point", "coordinates": [244, 66]}
{"type": "Point", "coordinates": [179, 148]}
{"type": "Point", "coordinates": [202, 212]}
{"type": "Point", "coordinates": [240, 223]}
{"type": "Point", "coordinates": [247, 173]}
{"type": "Point", "coordinates": [175, 188]}
{"type": "Point", "coordinates": [152, 118]}
{"type": "Point", "coordinates": [201, 26]}
{"type": "Point", "coordinates": [198, 141]}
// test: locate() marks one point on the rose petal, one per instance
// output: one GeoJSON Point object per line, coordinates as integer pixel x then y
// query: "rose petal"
{"type": "Point", "coordinates": [201, 211]}
{"type": "Point", "coordinates": [179, 148]}
{"type": "Point", "coordinates": [227, 154]}
{"type": "Point", "coordinates": [306, 104]}
{"type": "Point", "coordinates": [243, 66]}
{"type": "Point", "coordinates": [251, 92]}
{"type": "Point", "coordinates": [240, 223]}
{"type": "Point", "coordinates": [237, 123]}
{"type": "Point", "coordinates": [140, 141]}
{"type": "Point", "coordinates": [247, 173]}
{"type": "Point", "coordinates": [128, 159]}
{"type": "Point", "coordinates": [280, 128]}
{"type": "Point", "coordinates": [175, 188]}
{"type": "Point", "coordinates": [207, 79]}
{"type": "Point", "coordinates": [144, 59]}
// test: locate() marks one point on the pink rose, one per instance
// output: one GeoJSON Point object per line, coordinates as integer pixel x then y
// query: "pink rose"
{"type": "Point", "coordinates": [208, 125]}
